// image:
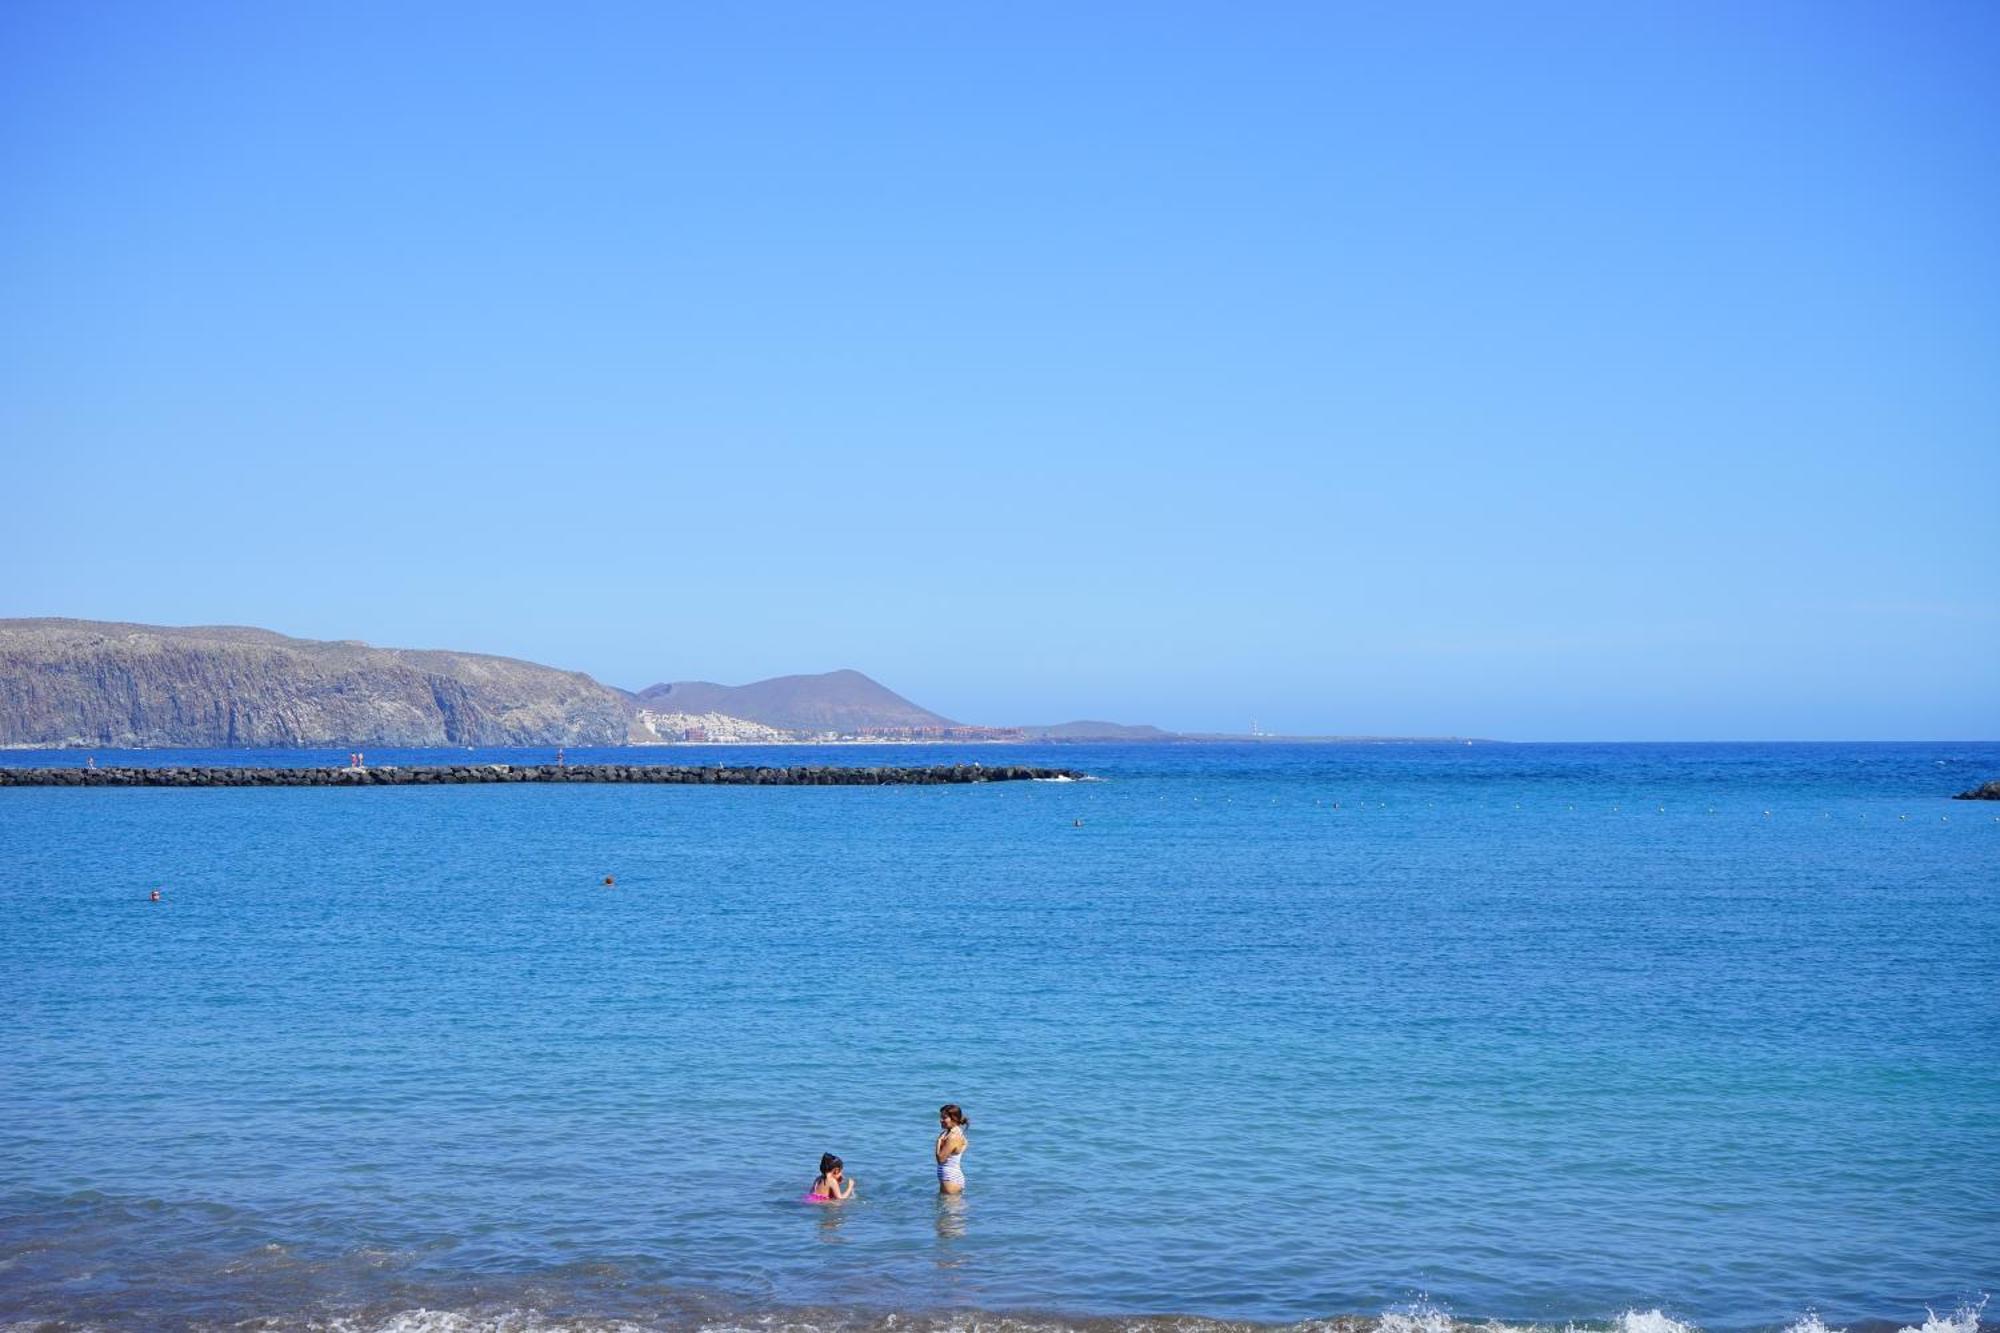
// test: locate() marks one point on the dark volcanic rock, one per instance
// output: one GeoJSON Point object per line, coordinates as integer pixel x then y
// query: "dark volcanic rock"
{"type": "Point", "coordinates": [1985, 791]}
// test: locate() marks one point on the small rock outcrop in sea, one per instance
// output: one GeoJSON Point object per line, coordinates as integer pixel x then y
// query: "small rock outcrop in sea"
{"type": "Point", "coordinates": [1985, 791]}
{"type": "Point", "coordinates": [819, 775]}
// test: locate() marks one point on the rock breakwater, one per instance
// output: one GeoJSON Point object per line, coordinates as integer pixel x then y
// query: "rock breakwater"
{"type": "Point", "coordinates": [1985, 791]}
{"type": "Point", "coordinates": [476, 774]}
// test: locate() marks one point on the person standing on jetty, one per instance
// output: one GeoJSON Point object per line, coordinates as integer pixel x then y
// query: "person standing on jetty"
{"type": "Point", "coordinates": [950, 1147]}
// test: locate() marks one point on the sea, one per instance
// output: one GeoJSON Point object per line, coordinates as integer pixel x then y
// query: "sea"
{"type": "Point", "coordinates": [1347, 1038]}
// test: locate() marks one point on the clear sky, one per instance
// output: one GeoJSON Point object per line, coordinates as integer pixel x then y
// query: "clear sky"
{"type": "Point", "coordinates": [1536, 371]}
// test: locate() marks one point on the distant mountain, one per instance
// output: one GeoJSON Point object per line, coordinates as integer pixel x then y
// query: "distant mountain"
{"type": "Point", "coordinates": [844, 701]}
{"type": "Point", "coordinates": [82, 682]}
{"type": "Point", "coordinates": [100, 683]}
{"type": "Point", "coordinates": [1096, 731]}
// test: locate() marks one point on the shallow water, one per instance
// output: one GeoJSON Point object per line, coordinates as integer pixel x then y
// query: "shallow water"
{"type": "Point", "coordinates": [1541, 1034]}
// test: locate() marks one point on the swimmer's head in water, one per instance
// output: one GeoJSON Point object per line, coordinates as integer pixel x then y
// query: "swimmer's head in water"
{"type": "Point", "coordinates": [951, 1117]}
{"type": "Point", "coordinates": [829, 1165]}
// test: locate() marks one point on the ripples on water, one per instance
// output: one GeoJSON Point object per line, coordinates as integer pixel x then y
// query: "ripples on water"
{"type": "Point", "coordinates": [1277, 1033]}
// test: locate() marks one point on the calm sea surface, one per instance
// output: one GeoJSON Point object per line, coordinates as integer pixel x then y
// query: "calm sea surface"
{"type": "Point", "coordinates": [1626, 1036]}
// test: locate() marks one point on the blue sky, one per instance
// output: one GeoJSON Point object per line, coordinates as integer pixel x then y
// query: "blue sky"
{"type": "Point", "coordinates": [1538, 371]}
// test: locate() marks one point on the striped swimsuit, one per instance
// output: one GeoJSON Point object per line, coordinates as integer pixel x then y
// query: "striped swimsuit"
{"type": "Point", "coordinates": [949, 1172]}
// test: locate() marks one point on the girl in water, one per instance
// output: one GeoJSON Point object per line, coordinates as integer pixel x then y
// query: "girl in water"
{"type": "Point", "coordinates": [831, 1185]}
{"type": "Point", "coordinates": [951, 1147]}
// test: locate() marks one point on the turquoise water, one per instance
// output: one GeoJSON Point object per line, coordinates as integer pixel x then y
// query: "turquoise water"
{"type": "Point", "coordinates": [1537, 1034]}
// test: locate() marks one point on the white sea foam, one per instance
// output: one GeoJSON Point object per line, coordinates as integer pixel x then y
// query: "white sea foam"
{"type": "Point", "coordinates": [1423, 1317]}
{"type": "Point", "coordinates": [503, 1321]}
{"type": "Point", "coordinates": [1420, 1317]}
{"type": "Point", "coordinates": [1965, 1319]}
{"type": "Point", "coordinates": [1650, 1321]}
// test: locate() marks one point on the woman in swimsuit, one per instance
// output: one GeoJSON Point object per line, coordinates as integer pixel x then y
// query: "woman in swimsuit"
{"type": "Point", "coordinates": [951, 1147]}
{"type": "Point", "coordinates": [831, 1184]}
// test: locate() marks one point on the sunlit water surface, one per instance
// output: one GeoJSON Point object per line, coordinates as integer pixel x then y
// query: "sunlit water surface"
{"type": "Point", "coordinates": [1636, 1036]}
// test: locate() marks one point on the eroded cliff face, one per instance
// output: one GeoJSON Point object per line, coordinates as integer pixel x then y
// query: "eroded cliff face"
{"type": "Point", "coordinates": [75, 682]}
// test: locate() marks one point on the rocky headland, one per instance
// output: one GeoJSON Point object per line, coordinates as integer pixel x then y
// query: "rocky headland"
{"type": "Point", "coordinates": [92, 683]}
{"type": "Point", "coordinates": [111, 685]}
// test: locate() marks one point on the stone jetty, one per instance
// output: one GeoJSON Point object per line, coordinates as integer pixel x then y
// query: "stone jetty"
{"type": "Point", "coordinates": [820, 775]}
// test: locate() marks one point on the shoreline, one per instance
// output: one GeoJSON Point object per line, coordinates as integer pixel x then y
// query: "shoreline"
{"type": "Point", "coordinates": [520, 1303]}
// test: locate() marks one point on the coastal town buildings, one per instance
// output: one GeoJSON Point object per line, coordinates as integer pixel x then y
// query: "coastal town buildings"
{"type": "Point", "coordinates": [666, 728]}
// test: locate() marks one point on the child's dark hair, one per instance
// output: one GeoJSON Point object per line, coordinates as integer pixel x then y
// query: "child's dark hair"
{"type": "Point", "coordinates": [951, 1113]}
{"type": "Point", "coordinates": [828, 1164]}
